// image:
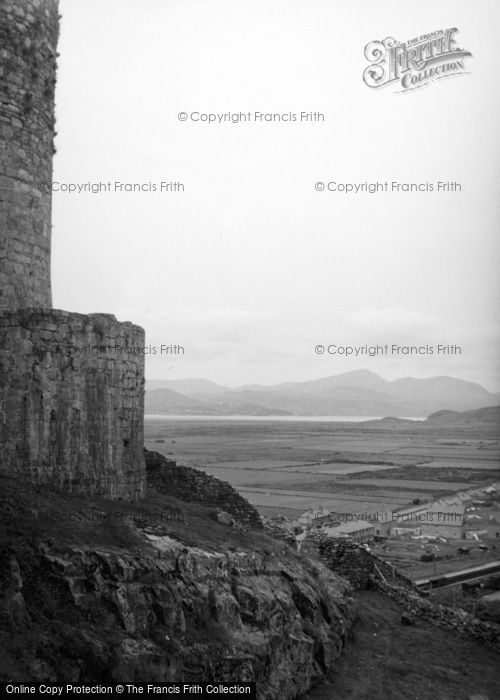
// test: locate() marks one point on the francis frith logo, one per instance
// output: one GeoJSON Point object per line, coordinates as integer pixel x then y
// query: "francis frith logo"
{"type": "Point", "coordinates": [416, 62]}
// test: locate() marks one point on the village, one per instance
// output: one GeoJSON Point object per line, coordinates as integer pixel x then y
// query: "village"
{"type": "Point", "coordinates": [421, 538]}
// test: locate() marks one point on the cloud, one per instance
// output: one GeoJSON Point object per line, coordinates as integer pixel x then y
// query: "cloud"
{"type": "Point", "coordinates": [237, 345]}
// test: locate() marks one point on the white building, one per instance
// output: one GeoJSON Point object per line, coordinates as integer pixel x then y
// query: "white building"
{"type": "Point", "coordinates": [360, 531]}
{"type": "Point", "coordinates": [445, 518]}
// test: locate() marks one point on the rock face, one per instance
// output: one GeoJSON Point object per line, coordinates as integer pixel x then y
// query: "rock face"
{"type": "Point", "coordinates": [194, 486]}
{"type": "Point", "coordinates": [72, 401]}
{"type": "Point", "coordinates": [148, 608]}
{"type": "Point", "coordinates": [28, 39]}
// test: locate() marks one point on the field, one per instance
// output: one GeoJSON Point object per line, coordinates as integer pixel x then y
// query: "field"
{"type": "Point", "coordinates": [285, 467]}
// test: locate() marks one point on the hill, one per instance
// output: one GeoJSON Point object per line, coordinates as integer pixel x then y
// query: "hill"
{"type": "Point", "coordinates": [358, 393]}
{"type": "Point", "coordinates": [188, 387]}
{"type": "Point", "coordinates": [168, 402]}
{"type": "Point", "coordinates": [486, 418]}
{"type": "Point", "coordinates": [161, 590]}
{"type": "Point", "coordinates": [481, 417]}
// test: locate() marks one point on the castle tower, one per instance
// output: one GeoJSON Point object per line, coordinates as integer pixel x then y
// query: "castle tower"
{"type": "Point", "coordinates": [71, 385]}
{"type": "Point", "coordinates": [28, 39]}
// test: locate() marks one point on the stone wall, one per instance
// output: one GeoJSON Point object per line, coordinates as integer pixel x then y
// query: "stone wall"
{"type": "Point", "coordinates": [367, 571]}
{"type": "Point", "coordinates": [71, 414]}
{"type": "Point", "coordinates": [280, 530]}
{"type": "Point", "coordinates": [455, 619]}
{"type": "Point", "coordinates": [28, 40]}
{"type": "Point", "coordinates": [352, 561]}
{"type": "Point", "coordinates": [72, 401]}
{"type": "Point", "coordinates": [195, 486]}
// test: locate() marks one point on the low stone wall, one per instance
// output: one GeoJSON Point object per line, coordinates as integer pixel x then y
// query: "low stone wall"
{"type": "Point", "coordinates": [454, 619]}
{"type": "Point", "coordinates": [279, 531]}
{"type": "Point", "coordinates": [353, 562]}
{"type": "Point", "coordinates": [72, 401]}
{"type": "Point", "coordinates": [194, 486]}
{"type": "Point", "coordinates": [367, 571]}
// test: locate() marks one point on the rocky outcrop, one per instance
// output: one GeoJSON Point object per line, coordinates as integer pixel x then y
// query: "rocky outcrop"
{"type": "Point", "coordinates": [129, 605]}
{"type": "Point", "coordinates": [195, 486]}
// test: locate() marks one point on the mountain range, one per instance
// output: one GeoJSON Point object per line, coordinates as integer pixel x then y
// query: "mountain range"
{"type": "Point", "coordinates": [357, 393]}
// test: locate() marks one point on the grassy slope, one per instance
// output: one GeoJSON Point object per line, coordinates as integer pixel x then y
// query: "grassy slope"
{"type": "Point", "coordinates": [388, 661]}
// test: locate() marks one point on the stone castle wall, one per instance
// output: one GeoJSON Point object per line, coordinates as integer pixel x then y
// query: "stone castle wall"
{"type": "Point", "coordinates": [69, 415]}
{"type": "Point", "coordinates": [72, 401]}
{"type": "Point", "coordinates": [28, 40]}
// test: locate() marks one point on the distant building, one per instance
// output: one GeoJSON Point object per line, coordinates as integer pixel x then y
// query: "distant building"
{"type": "Point", "coordinates": [410, 530]}
{"type": "Point", "coordinates": [453, 517]}
{"type": "Point", "coordinates": [444, 518]}
{"type": "Point", "coordinates": [493, 528]}
{"type": "Point", "coordinates": [411, 515]}
{"type": "Point", "coordinates": [360, 531]}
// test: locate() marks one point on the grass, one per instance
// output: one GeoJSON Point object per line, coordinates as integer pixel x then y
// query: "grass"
{"type": "Point", "coordinates": [388, 661]}
{"type": "Point", "coordinates": [33, 514]}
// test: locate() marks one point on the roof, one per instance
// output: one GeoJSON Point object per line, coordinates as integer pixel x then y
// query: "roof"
{"type": "Point", "coordinates": [348, 528]}
{"type": "Point", "coordinates": [447, 505]}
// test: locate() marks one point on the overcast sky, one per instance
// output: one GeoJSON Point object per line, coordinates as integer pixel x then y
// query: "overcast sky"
{"type": "Point", "coordinates": [249, 268]}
